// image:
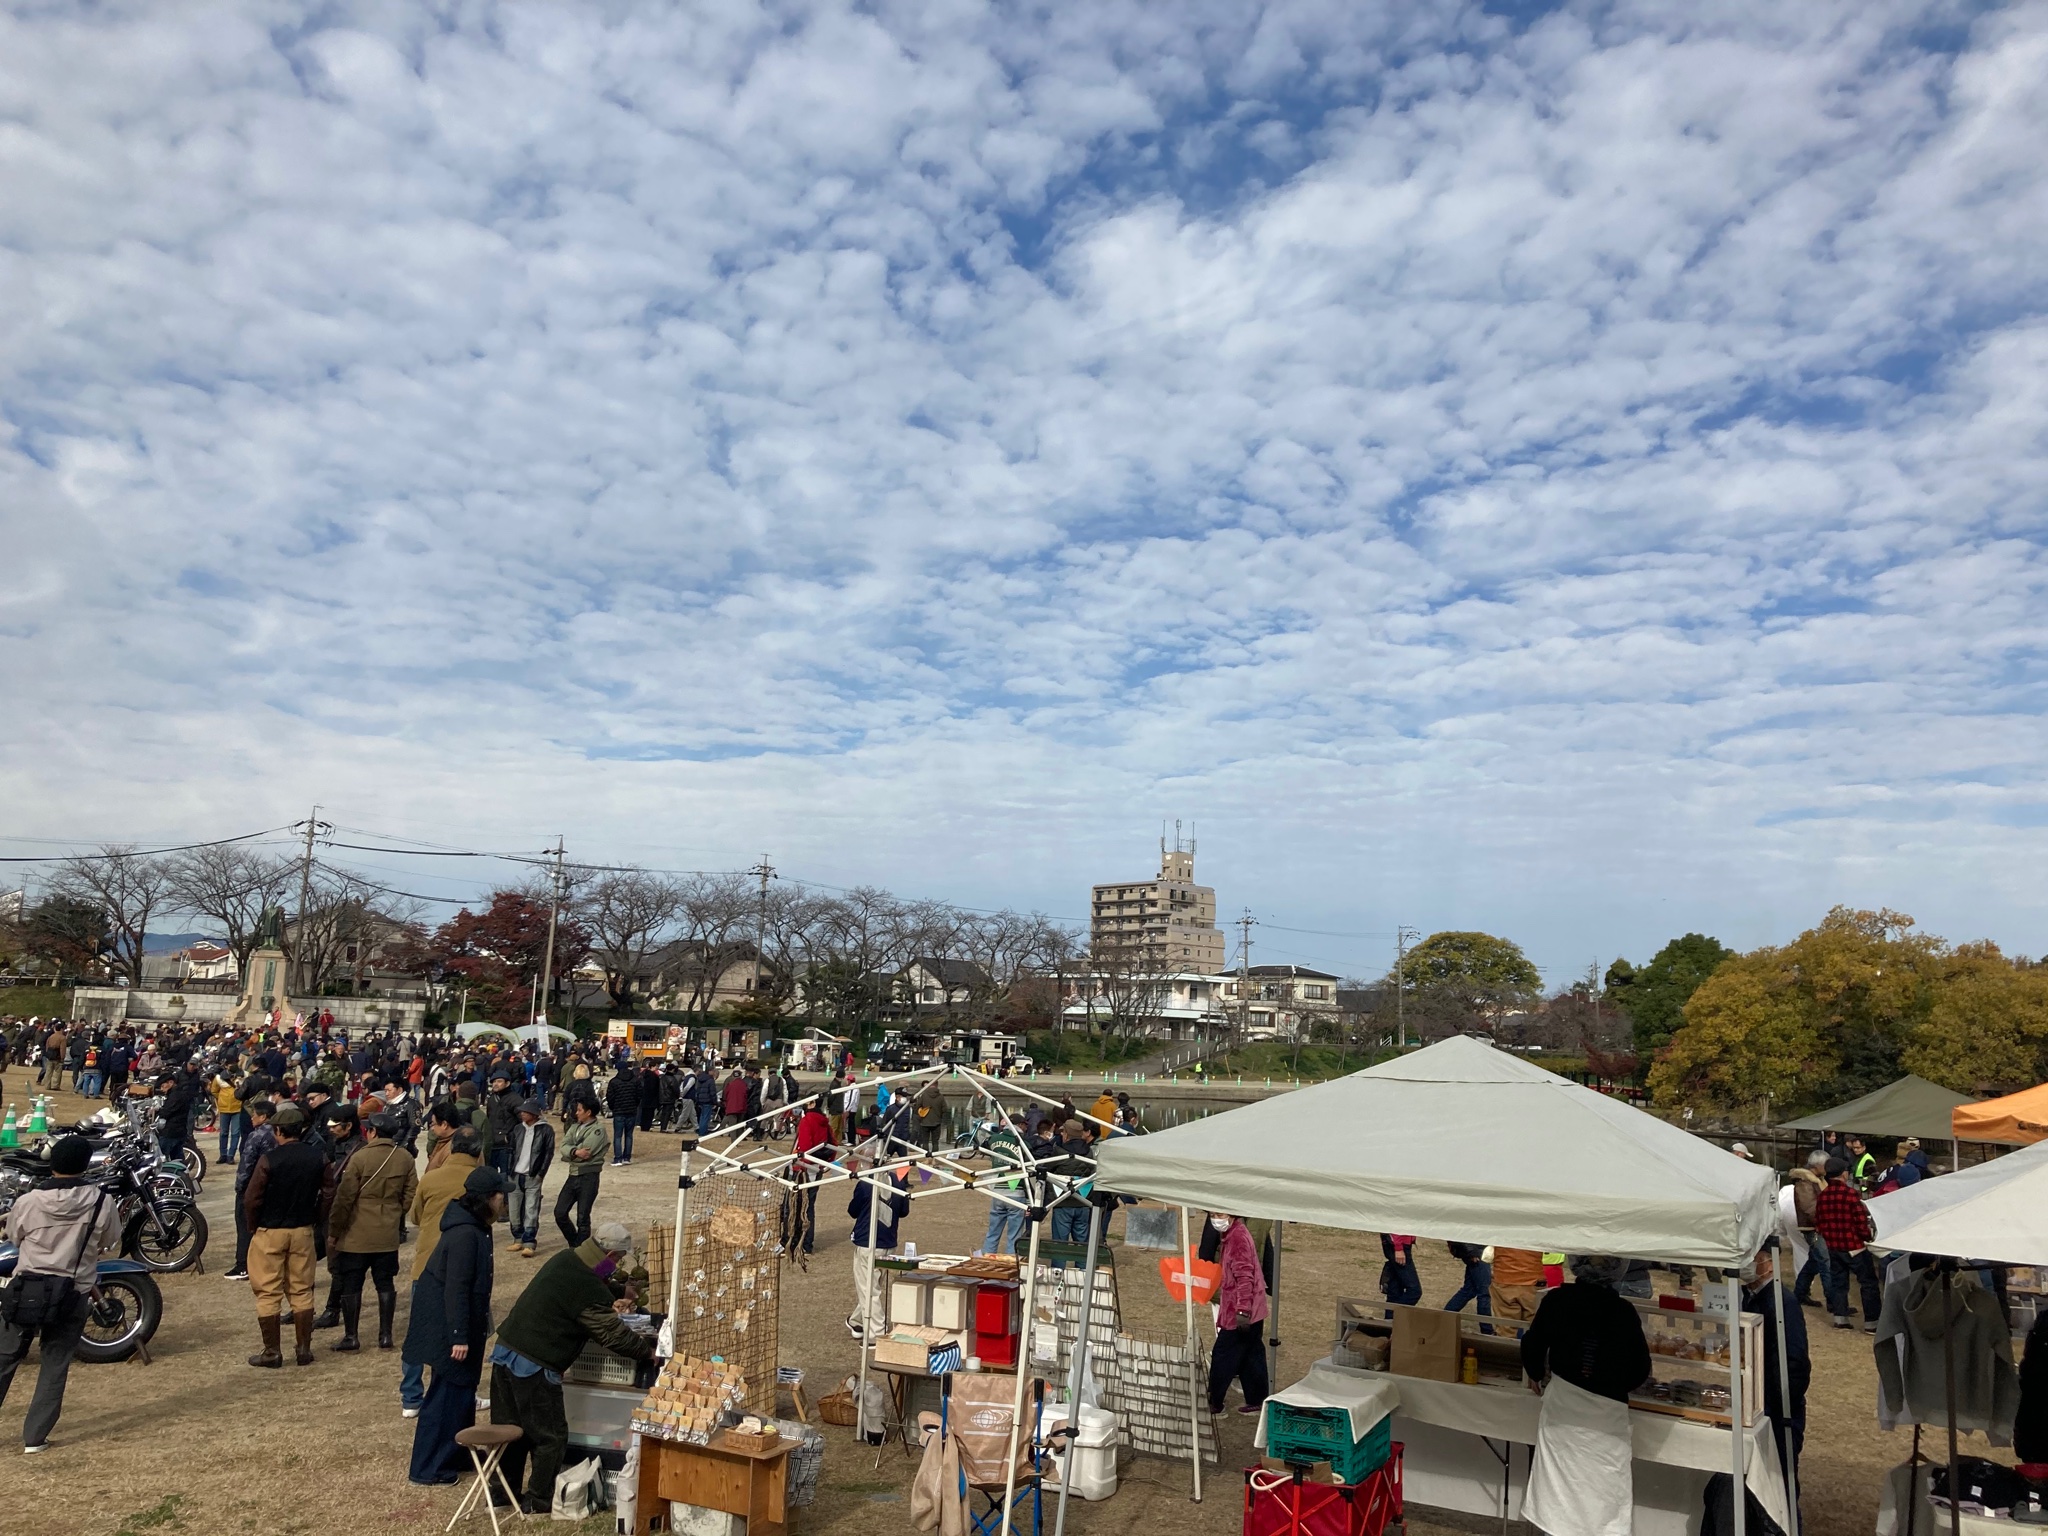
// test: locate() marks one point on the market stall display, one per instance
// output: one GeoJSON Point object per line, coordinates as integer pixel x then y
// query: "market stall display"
{"type": "Point", "coordinates": [1912, 1106]}
{"type": "Point", "coordinates": [2018, 1119]}
{"type": "Point", "coordinates": [1464, 1143]}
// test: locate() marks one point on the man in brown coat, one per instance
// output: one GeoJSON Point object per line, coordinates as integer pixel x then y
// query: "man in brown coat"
{"type": "Point", "coordinates": [376, 1185]}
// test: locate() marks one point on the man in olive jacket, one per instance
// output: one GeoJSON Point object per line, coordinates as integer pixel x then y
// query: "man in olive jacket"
{"type": "Point", "coordinates": [376, 1186]}
{"type": "Point", "coordinates": [570, 1302]}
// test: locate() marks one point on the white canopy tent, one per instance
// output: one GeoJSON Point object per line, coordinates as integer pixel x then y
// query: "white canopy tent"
{"type": "Point", "coordinates": [1466, 1143]}
{"type": "Point", "coordinates": [1996, 1210]}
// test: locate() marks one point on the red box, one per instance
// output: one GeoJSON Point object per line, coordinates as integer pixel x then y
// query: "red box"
{"type": "Point", "coordinates": [995, 1324]}
{"type": "Point", "coordinates": [1276, 1504]}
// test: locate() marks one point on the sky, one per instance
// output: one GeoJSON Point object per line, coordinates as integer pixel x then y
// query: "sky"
{"type": "Point", "coordinates": [1575, 472]}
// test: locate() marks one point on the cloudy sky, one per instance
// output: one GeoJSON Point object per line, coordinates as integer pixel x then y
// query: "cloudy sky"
{"type": "Point", "coordinates": [1574, 472]}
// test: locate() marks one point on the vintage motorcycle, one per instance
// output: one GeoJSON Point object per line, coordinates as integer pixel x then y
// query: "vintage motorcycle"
{"type": "Point", "coordinates": [122, 1314]}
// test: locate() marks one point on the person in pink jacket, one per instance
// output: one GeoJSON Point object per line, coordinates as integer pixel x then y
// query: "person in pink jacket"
{"type": "Point", "coordinates": [1240, 1352]}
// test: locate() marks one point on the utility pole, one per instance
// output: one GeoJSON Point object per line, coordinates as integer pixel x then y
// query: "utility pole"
{"type": "Point", "coordinates": [547, 969]}
{"type": "Point", "coordinates": [1401, 937]}
{"type": "Point", "coordinates": [764, 872]}
{"type": "Point", "coordinates": [1244, 926]}
{"type": "Point", "coordinates": [315, 827]}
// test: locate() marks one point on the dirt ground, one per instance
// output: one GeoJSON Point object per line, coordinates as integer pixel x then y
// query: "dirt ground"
{"type": "Point", "coordinates": [197, 1441]}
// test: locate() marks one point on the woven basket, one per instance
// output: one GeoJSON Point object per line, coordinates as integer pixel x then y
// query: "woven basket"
{"type": "Point", "coordinates": [838, 1408]}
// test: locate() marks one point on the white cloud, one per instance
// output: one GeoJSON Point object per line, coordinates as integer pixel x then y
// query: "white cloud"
{"type": "Point", "coordinates": [1584, 480]}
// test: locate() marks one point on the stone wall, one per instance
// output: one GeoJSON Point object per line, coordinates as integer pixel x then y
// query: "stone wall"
{"type": "Point", "coordinates": [110, 1004]}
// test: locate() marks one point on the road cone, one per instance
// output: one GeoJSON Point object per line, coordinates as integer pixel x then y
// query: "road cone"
{"type": "Point", "coordinates": [39, 1120]}
{"type": "Point", "coordinates": [9, 1135]}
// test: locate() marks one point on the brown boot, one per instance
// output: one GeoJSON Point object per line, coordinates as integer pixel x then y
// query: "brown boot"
{"type": "Point", "coordinates": [272, 1357]}
{"type": "Point", "coordinates": [302, 1328]}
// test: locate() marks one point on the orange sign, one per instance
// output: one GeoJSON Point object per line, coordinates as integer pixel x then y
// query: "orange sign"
{"type": "Point", "coordinates": [1202, 1278]}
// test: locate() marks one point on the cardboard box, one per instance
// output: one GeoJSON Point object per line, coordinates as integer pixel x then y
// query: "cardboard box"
{"type": "Point", "coordinates": [1426, 1344]}
{"type": "Point", "coordinates": [1317, 1472]}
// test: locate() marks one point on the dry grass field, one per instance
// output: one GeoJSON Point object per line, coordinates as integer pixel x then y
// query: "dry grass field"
{"type": "Point", "coordinates": [197, 1441]}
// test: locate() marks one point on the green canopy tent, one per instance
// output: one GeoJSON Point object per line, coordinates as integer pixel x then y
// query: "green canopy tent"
{"type": "Point", "coordinates": [1910, 1107]}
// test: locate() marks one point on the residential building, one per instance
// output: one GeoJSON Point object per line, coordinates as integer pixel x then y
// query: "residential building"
{"type": "Point", "coordinates": [1175, 1005]}
{"type": "Point", "coordinates": [691, 976]}
{"type": "Point", "coordinates": [934, 985]}
{"type": "Point", "coordinates": [1165, 924]}
{"type": "Point", "coordinates": [1277, 1001]}
{"type": "Point", "coordinates": [203, 960]}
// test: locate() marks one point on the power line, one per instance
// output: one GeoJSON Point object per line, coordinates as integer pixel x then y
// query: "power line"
{"type": "Point", "coordinates": [137, 853]}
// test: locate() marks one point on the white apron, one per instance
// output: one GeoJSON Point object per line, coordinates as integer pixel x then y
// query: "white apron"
{"type": "Point", "coordinates": [1581, 1479]}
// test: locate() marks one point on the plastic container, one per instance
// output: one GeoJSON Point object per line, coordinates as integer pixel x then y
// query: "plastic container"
{"type": "Point", "coordinates": [1093, 1455]}
{"type": "Point", "coordinates": [1308, 1435]}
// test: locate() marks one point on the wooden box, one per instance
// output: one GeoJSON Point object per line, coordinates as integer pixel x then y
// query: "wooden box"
{"type": "Point", "coordinates": [923, 1349]}
{"type": "Point", "coordinates": [1689, 1363]}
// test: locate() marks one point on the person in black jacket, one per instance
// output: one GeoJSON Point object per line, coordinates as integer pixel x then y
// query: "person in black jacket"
{"type": "Point", "coordinates": [533, 1149]}
{"type": "Point", "coordinates": [450, 1321]}
{"type": "Point", "coordinates": [501, 1119]}
{"type": "Point", "coordinates": [622, 1098]}
{"type": "Point", "coordinates": [281, 1204]}
{"type": "Point", "coordinates": [1587, 1334]}
{"type": "Point", "coordinates": [1762, 1294]}
{"type": "Point", "coordinates": [174, 1117]}
{"type": "Point", "coordinates": [650, 1095]}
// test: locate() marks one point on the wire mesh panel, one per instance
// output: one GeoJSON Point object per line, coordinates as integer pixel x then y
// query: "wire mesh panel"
{"type": "Point", "coordinates": [1154, 1397]}
{"type": "Point", "coordinates": [729, 1299]}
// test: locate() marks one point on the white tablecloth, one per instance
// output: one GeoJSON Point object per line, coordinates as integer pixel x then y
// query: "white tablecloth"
{"type": "Point", "coordinates": [1366, 1396]}
{"type": "Point", "coordinates": [1440, 1423]}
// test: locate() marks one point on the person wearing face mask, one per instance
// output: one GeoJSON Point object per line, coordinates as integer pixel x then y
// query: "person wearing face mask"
{"type": "Point", "coordinates": [1241, 1305]}
{"type": "Point", "coordinates": [572, 1300]}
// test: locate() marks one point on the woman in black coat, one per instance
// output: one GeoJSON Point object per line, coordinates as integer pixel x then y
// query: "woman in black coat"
{"type": "Point", "coordinates": [451, 1319]}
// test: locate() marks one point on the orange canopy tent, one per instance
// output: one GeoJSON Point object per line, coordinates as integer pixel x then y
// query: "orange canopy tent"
{"type": "Point", "coordinates": [2018, 1119]}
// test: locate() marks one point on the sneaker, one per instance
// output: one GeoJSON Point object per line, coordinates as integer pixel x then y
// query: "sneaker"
{"type": "Point", "coordinates": [1841, 1322]}
{"type": "Point", "coordinates": [408, 1413]}
{"type": "Point", "coordinates": [1248, 1408]}
{"type": "Point", "coordinates": [236, 1274]}
{"type": "Point", "coordinates": [1870, 1327]}
{"type": "Point", "coordinates": [35, 1450]}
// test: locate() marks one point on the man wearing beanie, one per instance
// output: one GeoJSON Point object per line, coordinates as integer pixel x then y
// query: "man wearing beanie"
{"type": "Point", "coordinates": [63, 1226]}
{"type": "Point", "coordinates": [569, 1303]}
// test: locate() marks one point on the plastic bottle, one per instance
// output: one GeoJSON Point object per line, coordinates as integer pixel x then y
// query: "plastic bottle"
{"type": "Point", "coordinates": [1471, 1370]}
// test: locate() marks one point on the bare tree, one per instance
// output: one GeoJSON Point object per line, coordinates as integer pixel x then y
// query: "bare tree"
{"type": "Point", "coordinates": [347, 920]}
{"type": "Point", "coordinates": [129, 888]}
{"type": "Point", "coordinates": [1126, 991]}
{"type": "Point", "coordinates": [234, 886]}
{"type": "Point", "coordinates": [716, 915]}
{"type": "Point", "coordinates": [629, 914]}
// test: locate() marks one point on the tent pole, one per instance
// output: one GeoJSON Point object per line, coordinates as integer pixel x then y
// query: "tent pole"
{"type": "Point", "coordinates": [867, 1329]}
{"type": "Point", "coordinates": [1187, 1292]}
{"type": "Point", "coordinates": [667, 1338]}
{"type": "Point", "coordinates": [1737, 1433]}
{"type": "Point", "coordinates": [1078, 1372]}
{"type": "Point", "coordinates": [1025, 1324]}
{"type": "Point", "coordinates": [1273, 1308]}
{"type": "Point", "coordinates": [1781, 1295]}
{"type": "Point", "coordinates": [1948, 1362]}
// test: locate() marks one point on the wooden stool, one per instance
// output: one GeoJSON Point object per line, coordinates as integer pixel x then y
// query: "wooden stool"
{"type": "Point", "coordinates": [486, 1445]}
{"type": "Point", "coordinates": [790, 1379]}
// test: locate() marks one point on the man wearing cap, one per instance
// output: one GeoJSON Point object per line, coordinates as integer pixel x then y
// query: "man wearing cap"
{"type": "Point", "coordinates": [501, 1120]}
{"type": "Point", "coordinates": [370, 1198]}
{"type": "Point", "coordinates": [282, 1203]}
{"type": "Point", "coordinates": [533, 1148]}
{"type": "Point", "coordinates": [262, 1136]}
{"type": "Point", "coordinates": [449, 1322]}
{"type": "Point", "coordinates": [63, 1226]}
{"type": "Point", "coordinates": [572, 1300]}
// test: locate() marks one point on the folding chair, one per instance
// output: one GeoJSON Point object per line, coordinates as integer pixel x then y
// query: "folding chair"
{"type": "Point", "coordinates": [486, 1445]}
{"type": "Point", "coordinates": [975, 1411]}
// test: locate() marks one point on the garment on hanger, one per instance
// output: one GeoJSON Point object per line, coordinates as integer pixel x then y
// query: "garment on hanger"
{"type": "Point", "coordinates": [1921, 1322]}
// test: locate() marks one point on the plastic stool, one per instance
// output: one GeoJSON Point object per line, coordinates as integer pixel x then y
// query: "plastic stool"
{"type": "Point", "coordinates": [486, 1446]}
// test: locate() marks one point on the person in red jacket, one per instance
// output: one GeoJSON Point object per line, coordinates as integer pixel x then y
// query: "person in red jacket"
{"type": "Point", "coordinates": [1843, 1222]}
{"type": "Point", "coordinates": [1240, 1352]}
{"type": "Point", "coordinates": [813, 1156]}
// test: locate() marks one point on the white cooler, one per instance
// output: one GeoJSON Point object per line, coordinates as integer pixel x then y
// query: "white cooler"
{"type": "Point", "coordinates": [1093, 1454]}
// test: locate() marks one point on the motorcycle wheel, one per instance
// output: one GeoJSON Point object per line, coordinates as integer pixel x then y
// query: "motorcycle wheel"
{"type": "Point", "coordinates": [177, 1248]}
{"type": "Point", "coordinates": [194, 1161]}
{"type": "Point", "coordinates": [123, 1319]}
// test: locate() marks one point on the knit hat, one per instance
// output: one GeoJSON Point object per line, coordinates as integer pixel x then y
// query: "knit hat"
{"type": "Point", "coordinates": [70, 1156]}
{"type": "Point", "coordinates": [534, 1107]}
{"type": "Point", "coordinates": [613, 1237]}
{"type": "Point", "coordinates": [484, 1181]}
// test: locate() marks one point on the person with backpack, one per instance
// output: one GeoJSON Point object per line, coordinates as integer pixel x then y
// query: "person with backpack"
{"type": "Point", "coordinates": [63, 1227]}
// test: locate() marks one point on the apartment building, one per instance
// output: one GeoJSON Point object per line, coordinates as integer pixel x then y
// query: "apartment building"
{"type": "Point", "coordinates": [1167, 923]}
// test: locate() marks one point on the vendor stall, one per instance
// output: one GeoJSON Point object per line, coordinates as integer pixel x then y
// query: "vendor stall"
{"type": "Point", "coordinates": [2018, 1119]}
{"type": "Point", "coordinates": [1912, 1106]}
{"type": "Point", "coordinates": [1465, 1143]}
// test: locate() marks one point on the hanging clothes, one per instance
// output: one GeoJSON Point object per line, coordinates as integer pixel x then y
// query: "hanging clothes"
{"type": "Point", "coordinates": [1922, 1321]}
{"type": "Point", "coordinates": [1582, 1477]}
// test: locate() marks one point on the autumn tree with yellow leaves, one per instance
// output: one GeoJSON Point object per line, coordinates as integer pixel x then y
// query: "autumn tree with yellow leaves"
{"type": "Point", "coordinates": [1849, 1006]}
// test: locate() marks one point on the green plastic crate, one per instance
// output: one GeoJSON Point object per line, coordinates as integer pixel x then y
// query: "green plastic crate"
{"type": "Point", "coordinates": [1307, 1435]}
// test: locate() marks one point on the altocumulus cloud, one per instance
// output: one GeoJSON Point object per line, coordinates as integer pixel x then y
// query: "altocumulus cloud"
{"type": "Point", "coordinates": [1576, 472]}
